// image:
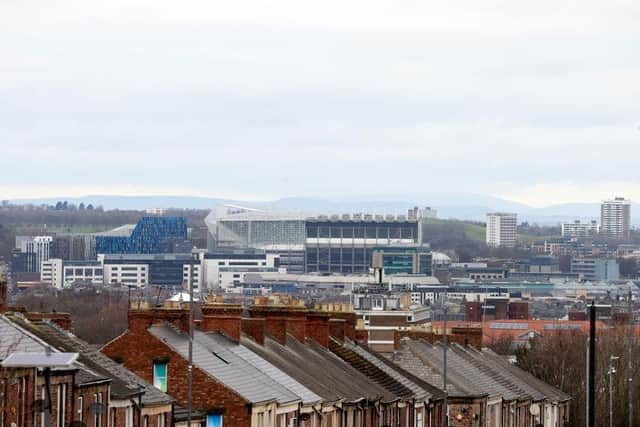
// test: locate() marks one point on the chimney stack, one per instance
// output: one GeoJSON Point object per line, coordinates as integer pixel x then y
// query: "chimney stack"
{"type": "Point", "coordinates": [317, 327]}
{"type": "Point", "coordinates": [140, 319]}
{"type": "Point", "coordinates": [223, 318]}
{"type": "Point", "coordinates": [3, 295]}
{"type": "Point", "coordinates": [281, 320]}
{"type": "Point", "coordinates": [337, 329]}
{"type": "Point", "coordinates": [254, 327]}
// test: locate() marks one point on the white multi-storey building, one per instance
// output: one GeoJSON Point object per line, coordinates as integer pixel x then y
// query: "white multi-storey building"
{"type": "Point", "coordinates": [580, 229]}
{"type": "Point", "coordinates": [615, 217]}
{"type": "Point", "coordinates": [502, 229]}
{"type": "Point", "coordinates": [58, 273]}
{"type": "Point", "coordinates": [40, 246]}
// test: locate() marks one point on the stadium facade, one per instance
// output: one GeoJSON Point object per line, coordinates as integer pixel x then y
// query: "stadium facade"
{"type": "Point", "coordinates": [341, 244]}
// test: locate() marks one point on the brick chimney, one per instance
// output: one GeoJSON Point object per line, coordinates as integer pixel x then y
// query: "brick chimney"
{"type": "Point", "coordinates": [281, 320]}
{"type": "Point", "coordinates": [337, 329]}
{"type": "Point", "coordinates": [253, 327]}
{"type": "Point", "coordinates": [350, 322]}
{"type": "Point", "coordinates": [142, 318]}
{"type": "Point", "coordinates": [317, 327]}
{"type": "Point", "coordinates": [223, 318]}
{"type": "Point", "coordinates": [63, 320]}
{"type": "Point", "coordinates": [3, 296]}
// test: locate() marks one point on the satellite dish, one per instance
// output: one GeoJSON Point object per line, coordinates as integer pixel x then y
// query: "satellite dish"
{"type": "Point", "coordinates": [534, 409]}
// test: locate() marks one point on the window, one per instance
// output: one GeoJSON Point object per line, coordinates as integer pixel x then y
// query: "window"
{"type": "Point", "coordinates": [61, 403]}
{"type": "Point", "coordinates": [97, 416]}
{"type": "Point", "coordinates": [214, 420]}
{"type": "Point", "coordinates": [145, 421]}
{"type": "Point", "coordinates": [161, 420]}
{"type": "Point", "coordinates": [43, 402]}
{"type": "Point", "coordinates": [160, 376]}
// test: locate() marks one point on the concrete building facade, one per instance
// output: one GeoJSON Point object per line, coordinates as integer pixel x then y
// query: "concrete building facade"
{"type": "Point", "coordinates": [501, 230]}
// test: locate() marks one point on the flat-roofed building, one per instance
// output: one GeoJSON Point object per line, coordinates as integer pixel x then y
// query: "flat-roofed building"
{"type": "Point", "coordinates": [501, 229]}
{"type": "Point", "coordinates": [580, 229]}
{"type": "Point", "coordinates": [615, 217]}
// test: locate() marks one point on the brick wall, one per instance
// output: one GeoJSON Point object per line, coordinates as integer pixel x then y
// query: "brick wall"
{"type": "Point", "coordinates": [137, 349]}
{"type": "Point", "coordinates": [88, 399]}
{"type": "Point", "coordinates": [224, 318]}
{"type": "Point", "coordinates": [318, 328]}
{"type": "Point", "coordinates": [254, 327]}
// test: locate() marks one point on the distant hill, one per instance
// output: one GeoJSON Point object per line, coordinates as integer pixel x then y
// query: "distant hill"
{"type": "Point", "coordinates": [449, 205]}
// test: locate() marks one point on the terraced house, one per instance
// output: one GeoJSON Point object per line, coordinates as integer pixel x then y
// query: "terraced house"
{"type": "Point", "coordinates": [273, 365]}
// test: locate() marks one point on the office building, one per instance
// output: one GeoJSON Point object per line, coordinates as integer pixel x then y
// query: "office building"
{"type": "Point", "coordinates": [281, 234]}
{"type": "Point", "coordinates": [152, 235]}
{"type": "Point", "coordinates": [501, 230]}
{"type": "Point", "coordinates": [38, 248]}
{"type": "Point", "coordinates": [340, 244]}
{"type": "Point", "coordinates": [615, 217]}
{"type": "Point", "coordinates": [344, 244]}
{"type": "Point", "coordinates": [580, 229]}
{"type": "Point", "coordinates": [149, 269]}
{"type": "Point", "coordinates": [228, 269]}
{"type": "Point", "coordinates": [402, 260]}
{"type": "Point", "coordinates": [596, 269]}
{"type": "Point", "coordinates": [74, 246]}
{"type": "Point", "coordinates": [59, 273]}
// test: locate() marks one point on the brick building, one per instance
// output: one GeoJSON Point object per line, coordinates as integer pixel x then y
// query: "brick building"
{"type": "Point", "coordinates": [281, 363]}
{"type": "Point", "coordinates": [96, 392]}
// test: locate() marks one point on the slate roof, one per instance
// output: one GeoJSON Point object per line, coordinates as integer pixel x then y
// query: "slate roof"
{"type": "Point", "coordinates": [520, 390]}
{"type": "Point", "coordinates": [267, 368]}
{"type": "Point", "coordinates": [463, 373]}
{"type": "Point", "coordinates": [225, 366]}
{"type": "Point", "coordinates": [550, 392]}
{"type": "Point", "coordinates": [318, 369]}
{"type": "Point", "coordinates": [17, 335]}
{"type": "Point", "coordinates": [124, 382]}
{"type": "Point", "coordinates": [384, 371]}
{"type": "Point", "coordinates": [86, 374]}
{"type": "Point", "coordinates": [13, 339]}
{"type": "Point", "coordinates": [417, 364]}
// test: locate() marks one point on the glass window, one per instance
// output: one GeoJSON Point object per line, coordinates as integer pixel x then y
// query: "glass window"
{"type": "Point", "coordinates": [214, 420]}
{"type": "Point", "coordinates": [383, 232]}
{"type": "Point", "coordinates": [97, 416]}
{"type": "Point", "coordinates": [358, 232]}
{"type": "Point", "coordinates": [407, 232]}
{"type": "Point", "coordinates": [160, 376]}
{"type": "Point", "coordinates": [335, 256]}
{"type": "Point", "coordinates": [61, 403]}
{"type": "Point", "coordinates": [394, 233]}
{"type": "Point", "coordinates": [347, 232]}
{"type": "Point", "coordinates": [336, 232]}
{"type": "Point", "coordinates": [312, 231]}
{"type": "Point", "coordinates": [80, 408]}
{"type": "Point", "coordinates": [323, 232]}
{"type": "Point", "coordinates": [370, 232]}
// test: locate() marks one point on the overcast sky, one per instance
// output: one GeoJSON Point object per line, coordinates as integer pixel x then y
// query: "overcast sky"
{"type": "Point", "coordinates": [535, 101]}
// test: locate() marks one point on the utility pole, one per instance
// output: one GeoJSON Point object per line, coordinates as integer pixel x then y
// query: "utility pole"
{"type": "Point", "coordinates": [611, 372]}
{"type": "Point", "coordinates": [190, 368]}
{"type": "Point", "coordinates": [444, 370]}
{"type": "Point", "coordinates": [591, 378]}
{"type": "Point", "coordinates": [630, 359]}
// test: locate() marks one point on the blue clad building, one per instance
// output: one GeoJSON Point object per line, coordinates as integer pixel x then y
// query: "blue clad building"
{"type": "Point", "coordinates": [152, 235]}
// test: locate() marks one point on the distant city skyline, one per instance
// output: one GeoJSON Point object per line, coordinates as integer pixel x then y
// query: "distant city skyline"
{"type": "Point", "coordinates": [533, 102]}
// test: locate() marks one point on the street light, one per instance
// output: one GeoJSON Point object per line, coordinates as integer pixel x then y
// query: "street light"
{"type": "Point", "coordinates": [611, 372]}
{"type": "Point", "coordinates": [45, 361]}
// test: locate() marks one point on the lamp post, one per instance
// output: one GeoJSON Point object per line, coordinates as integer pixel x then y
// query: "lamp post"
{"type": "Point", "coordinates": [611, 372]}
